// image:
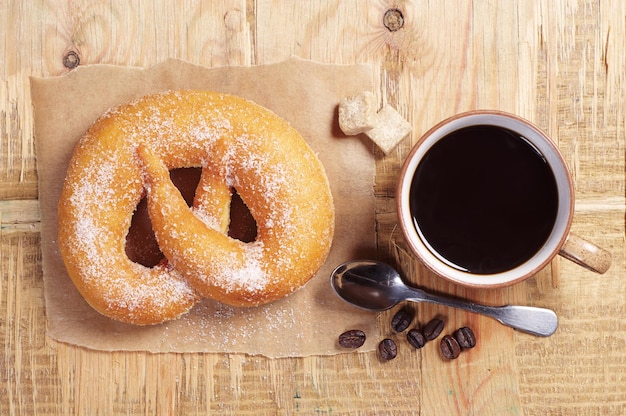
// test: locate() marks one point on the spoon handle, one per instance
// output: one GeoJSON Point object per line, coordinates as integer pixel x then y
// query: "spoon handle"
{"type": "Point", "coordinates": [536, 321]}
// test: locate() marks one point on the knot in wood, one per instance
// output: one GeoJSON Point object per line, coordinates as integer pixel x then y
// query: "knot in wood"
{"type": "Point", "coordinates": [234, 20]}
{"type": "Point", "coordinates": [71, 60]}
{"type": "Point", "coordinates": [393, 20]}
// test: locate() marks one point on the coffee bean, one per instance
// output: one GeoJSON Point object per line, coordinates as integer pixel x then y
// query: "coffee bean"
{"type": "Point", "coordinates": [433, 329]}
{"type": "Point", "coordinates": [450, 348]}
{"type": "Point", "coordinates": [387, 349]}
{"type": "Point", "coordinates": [352, 339]}
{"type": "Point", "coordinates": [416, 338]}
{"type": "Point", "coordinates": [401, 320]}
{"type": "Point", "coordinates": [465, 337]}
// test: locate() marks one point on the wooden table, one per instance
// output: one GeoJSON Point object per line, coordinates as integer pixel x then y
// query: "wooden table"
{"type": "Point", "coordinates": [559, 63]}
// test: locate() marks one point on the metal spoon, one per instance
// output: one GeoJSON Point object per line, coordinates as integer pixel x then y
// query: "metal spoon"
{"type": "Point", "coordinates": [376, 286]}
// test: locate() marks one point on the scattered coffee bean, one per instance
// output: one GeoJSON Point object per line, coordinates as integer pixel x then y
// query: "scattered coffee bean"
{"type": "Point", "coordinates": [416, 338]}
{"type": "Point", "coordinates": [401, 320]}
{"type": "Point", "coordinates": [352, 339]}
{"type": "Point", "coordinates": [387, 349]}
{"type": "Point", "coordinates": [433, 329]}
{"type": "Point", "coordinates": [450, 348]}
{"type": "Point", "coordinates": [465, 337]}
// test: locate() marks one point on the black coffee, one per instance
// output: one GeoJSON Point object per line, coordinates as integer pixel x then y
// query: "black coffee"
{"type": "Point", "coordinates": [484, 199]}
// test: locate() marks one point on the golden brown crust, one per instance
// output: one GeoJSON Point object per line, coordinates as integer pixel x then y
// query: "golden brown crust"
{"type": "Point", "coordinates": [239, 145]}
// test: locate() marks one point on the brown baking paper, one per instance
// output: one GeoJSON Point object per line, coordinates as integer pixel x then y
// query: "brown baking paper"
{"type": "Point", "coordinates": [306, 94]}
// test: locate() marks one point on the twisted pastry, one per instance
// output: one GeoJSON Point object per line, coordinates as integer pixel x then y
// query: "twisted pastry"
{"type": "Point", "coordinates": [240, 145]}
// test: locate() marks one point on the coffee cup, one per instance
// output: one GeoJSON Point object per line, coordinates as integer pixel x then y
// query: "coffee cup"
{"type": "Point", "coordinates": [485, 199]}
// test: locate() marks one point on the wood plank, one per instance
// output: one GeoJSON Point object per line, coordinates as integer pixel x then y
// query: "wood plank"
{"type": "Point", "coordinates": [560, 63]}
{"type": "Point", "coordinates": [19, 216]}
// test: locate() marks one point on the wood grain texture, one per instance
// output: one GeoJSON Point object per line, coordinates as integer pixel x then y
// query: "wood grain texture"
{"type": "Point", "coordinates": [560, 63]}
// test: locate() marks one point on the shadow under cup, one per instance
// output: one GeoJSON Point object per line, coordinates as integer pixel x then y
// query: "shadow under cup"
{"type": "Point", "coordinates": [485, 199]}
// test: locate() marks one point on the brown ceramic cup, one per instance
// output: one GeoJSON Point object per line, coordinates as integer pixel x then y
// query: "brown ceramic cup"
{"type": "Point", "coordinates": [485, 199]}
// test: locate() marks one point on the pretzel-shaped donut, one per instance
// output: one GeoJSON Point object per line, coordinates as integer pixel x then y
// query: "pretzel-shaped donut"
{"type": "Point", "coordinates": [240, 145]}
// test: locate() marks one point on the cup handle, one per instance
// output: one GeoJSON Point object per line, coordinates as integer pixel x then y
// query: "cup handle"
{"type": "Point", "coordinates": [586, 254]}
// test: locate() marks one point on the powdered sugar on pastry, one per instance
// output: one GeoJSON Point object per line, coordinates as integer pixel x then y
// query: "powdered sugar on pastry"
{"type": "Point", "coordinates": [129, 151]}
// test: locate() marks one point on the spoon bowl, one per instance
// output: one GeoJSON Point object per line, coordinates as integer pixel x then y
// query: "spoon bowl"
{"type": "Point", "coordinates": [369, 285]}
{"type": "Point", "coordinates": [376, 286]}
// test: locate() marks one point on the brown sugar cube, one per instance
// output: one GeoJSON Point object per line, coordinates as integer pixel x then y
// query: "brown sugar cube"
{"type": "Point", "coordinates": [390, 128]}
{"type": "Point", "coordinates": [357, 113]}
